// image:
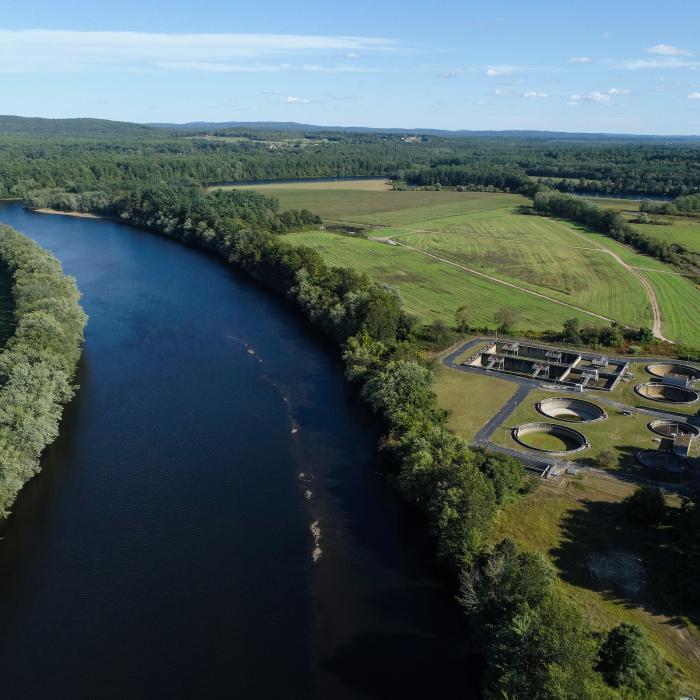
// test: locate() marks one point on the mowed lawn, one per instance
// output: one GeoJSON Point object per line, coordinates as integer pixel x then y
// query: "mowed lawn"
{"type": "Point", "coordinates": [471, 399]}
{"type": "Point", "coordinates": [434, 290]}
{"type": "Point", "coordinates": [536, 253]}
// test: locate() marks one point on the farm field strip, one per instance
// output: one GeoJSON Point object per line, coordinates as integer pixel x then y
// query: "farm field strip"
{"type": "Point", "coordinates": [676, 295]}
{"type": "Point", "coordinates": [554, 267]}
{"type": "Point", "coordinates": [431, 289]}
{"type": "Point", "coordinates": [508, 284]}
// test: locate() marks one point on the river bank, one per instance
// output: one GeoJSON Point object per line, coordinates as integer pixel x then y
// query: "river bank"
{"type": "Point", "coordinates": [172, 518]}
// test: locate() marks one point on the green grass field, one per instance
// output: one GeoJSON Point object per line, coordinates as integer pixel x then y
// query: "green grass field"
{"type": "Point", "coordinates": [677, 295]}
{"type": "Point", "coordinates": [486, 232]}
{"type": "Point", "coordinates": [576, 523]}
{"type": "Point", "coordinates": [471, 399]}
{"type": "Point", "coordinates": [431, 289]}
{"type": "Point", "coordinates": [537, 253]}
{"type": "Point", "coordinates": [681, 230]}
{"type": "Point", "coordinates": [360, 201]}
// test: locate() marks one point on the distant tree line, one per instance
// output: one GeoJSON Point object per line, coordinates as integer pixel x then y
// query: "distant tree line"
{"type": "Point", "coordinates": [687, 204]}
{"type": "Point", "coordinates": [81, 155]}
{"type": "Point", "coordinates": [37, 364]}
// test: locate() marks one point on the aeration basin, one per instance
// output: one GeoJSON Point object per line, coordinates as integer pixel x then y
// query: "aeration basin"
{"type": "Point", "coordinates": [550, 438]}
{"type": "Point", "coordinates": [571, 410]}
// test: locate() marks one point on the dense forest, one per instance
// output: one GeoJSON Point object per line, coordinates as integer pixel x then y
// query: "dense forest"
{"type": "Point", "coordinates": [93, 154]}
{"type": "Point", "coordinates": [38, 362]}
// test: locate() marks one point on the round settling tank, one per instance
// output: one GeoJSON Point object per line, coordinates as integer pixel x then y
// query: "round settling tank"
{"type": "Point", "coordinates": [670, 428]}
{"type": "Point", "coordinates": [666, 393]}
{"type": "Point", "coordinates": [550, 438]}
{"type": "Point", "coordinates": [571, 410]}
{"type": "Point", "coordinates": [663, 369]}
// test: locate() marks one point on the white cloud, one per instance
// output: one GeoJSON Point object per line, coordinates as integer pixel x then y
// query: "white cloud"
{"type": "Point", "coordinates": [342, 68]}
{"type": "Point", "coordinates": [501, 93]}
{"type": "Point", "coordinates": [532, 95]}
{"type": "Point", "coordinates": [668, 50]}
{"type": "Point", "coordinates": [352, 55]}
{"type": "Point", "coordinates": [292, 100]}
{"type": "Point", "coordinates": [662, 63]}
{"type": "Point", "coordinates": [44, 50]}
{"type": "Point", "coordinates": [580, 59]}
{"type": "Point", "coordinates": [694, 96]}
{"type": "Point", "coordinates": [498, 71]}
{"type": "Point", "coordinates": [448, 75]}
{"type": "Point", "coordinates": [597, 96]}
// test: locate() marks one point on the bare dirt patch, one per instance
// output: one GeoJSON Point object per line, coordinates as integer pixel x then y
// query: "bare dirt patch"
{"type": "Point", "coordinates": [618, 569]}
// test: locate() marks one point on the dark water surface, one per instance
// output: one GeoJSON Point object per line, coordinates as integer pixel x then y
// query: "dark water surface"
{"type": "Point", "coordinates": [166, 551]}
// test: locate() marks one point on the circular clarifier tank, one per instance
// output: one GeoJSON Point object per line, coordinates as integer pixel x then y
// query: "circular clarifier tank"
{"type": "Point", "coordinates": [550, 438]}
{"type": "Point", "coordinates": [571, 410]}
{"type": "Point", "coordinates": [664, 369]}
{"type": "Point", "coordinates": [669, 428]}
{"type": "Point", "coordinates": [666, 393]}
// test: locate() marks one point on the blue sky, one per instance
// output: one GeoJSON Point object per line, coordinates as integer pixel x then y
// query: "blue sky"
{"type": "Point", "coordinates": [615, 66]}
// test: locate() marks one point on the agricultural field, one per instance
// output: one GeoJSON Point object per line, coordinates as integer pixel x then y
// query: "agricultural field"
{"type": "Point", "coordinates": [677, 295]}
{"type": "Point", "coordinates": [372, 201]}
{"type": "Point", "coordinates": [434, 290]}
{"type": "Point", "coordinates": [673, 229]}
{"type": "Point", "coordinates": [537, 253]}
{"type": "Point", "coordinates": [684, 231]}
{"type": "Point", "coordinates": [612, 571]}
{"type": "Point", "coordinates": [549, 270]}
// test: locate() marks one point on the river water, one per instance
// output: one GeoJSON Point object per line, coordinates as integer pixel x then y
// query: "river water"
{"type": "Point", "coordinates": [167, 548]}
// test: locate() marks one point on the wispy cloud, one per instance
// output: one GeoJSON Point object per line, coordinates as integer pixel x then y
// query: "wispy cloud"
{"type": "Point", "coordinates": [533, 95]}
{"type": "Point", "coordinates": [580, 59]}
{"type": "Point", "coordinates": [502, 70]}
{"type": "Point", "coordinates": [292, 100]}
{"type": "Point", "coordinates": [668, 50]}
{"type": "Point", "coordinates": [694, 96]}
{"type": "Point", "coordinates": [213, 67]}
{"type": "Point", "coordinates": [352, 55]}
{"type": "Point", "coordinates": [660, 63]}
{"type": "Point", "coordinates": [448, 74]}
{"type": "Point", "coordinates": [597, 96]}
{"type": "Point", "coordinates": [341, 68]}
{"type": "Point", "coordinates": [41, 50]}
